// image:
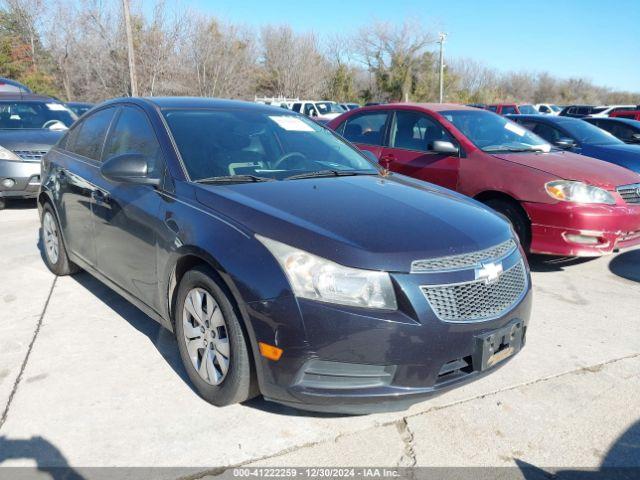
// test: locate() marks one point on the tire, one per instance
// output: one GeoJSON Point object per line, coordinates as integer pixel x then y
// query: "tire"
{"type": "Point", "coordinates": [513, 213]}
{"type": "Point", "coordinates": [3, 203]}
{"type": "Point", "coordinates": [202, 346]}
{"type": "Point", "coordinates": [55, 252]}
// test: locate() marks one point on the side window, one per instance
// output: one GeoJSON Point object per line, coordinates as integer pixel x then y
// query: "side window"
{"type": "Point", "coordinates": [547, 132]}
{"type": "Point", "coordinates": [506, 110]}
{"type": "Point", "coordinates": [544, 109]}
{"type": "Point", "coordinates": [366, 128]}
{"type": "Point", "coordinates": [492, 108]}
{"type": "Point", "coordinates": [296, 107]}
{"type": "Point", "coordinates": [310, 109]}
{"type": "Point", "coordinates": [415, 131]}
{"type": "Point", "coordinates": [133, 134]}
{"type": "Point", "coordinates": [87, 138]}
{"type": "Point", "coordinates": [623, 132]}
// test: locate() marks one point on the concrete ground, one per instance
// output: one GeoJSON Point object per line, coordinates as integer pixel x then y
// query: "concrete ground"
{"type": "Point", "coordinates": [87, 380]}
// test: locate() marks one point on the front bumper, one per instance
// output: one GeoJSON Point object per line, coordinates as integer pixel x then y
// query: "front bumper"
{"type": "Point", "coordinates": [26, 176]}
{"type": "Point", "coordinates": [564, 228]}
{"type": "Point", "coordinates": [349, 360]}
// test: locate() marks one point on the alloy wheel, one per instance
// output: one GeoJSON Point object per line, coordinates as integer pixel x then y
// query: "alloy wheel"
{"type": "Point", "coordinates": [50, 237]}
{"type": "Point", "coordinates": [206, 336]}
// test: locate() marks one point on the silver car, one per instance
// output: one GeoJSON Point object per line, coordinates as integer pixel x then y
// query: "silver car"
{"type": "Point", "coordinates": [29, 126]}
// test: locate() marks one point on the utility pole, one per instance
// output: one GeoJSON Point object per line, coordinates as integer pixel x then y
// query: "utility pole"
{"type": "Point", "coordinates": [131, 54]}
{"type": "Point", "coordinates": [442, 37]}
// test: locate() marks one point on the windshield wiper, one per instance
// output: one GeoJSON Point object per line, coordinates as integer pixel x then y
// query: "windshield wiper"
{"type": "Point", "coordinates": [329, 173]}
{"type": "Point", "coordinates": [234, 179]}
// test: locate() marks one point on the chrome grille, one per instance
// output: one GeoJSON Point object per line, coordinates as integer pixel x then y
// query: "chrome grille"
{"type": "Point", "coordinates": [630, 193]}
{"type": "Point", "coordinates": [477, 300]}
{"type": "Point", "coordinates": [30, 154]}
{"type": "Point", "coordinates": [463, 261]}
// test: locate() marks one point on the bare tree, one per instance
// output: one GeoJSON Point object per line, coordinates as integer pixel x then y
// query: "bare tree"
{"type": "Point", "coordinates": [291, 64]}
{"type": "Point", "coordinates": [395, 54]}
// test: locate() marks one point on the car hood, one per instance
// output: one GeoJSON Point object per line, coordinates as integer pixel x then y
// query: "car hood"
{"type": "Point", "coordinates": [329, 116]}
{"type": "Point", "coordinates": [627, 156]}
{"type": "Point", "coordinates": [26, 139]}
{"type": "Point", "coordinates": [362, 221]}
{"type": "Point", "coordinates": [571, 166]}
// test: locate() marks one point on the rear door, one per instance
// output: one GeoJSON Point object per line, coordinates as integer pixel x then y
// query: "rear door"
{"type": "Point", "coordinates": [409, 150]}
{"type": "Point", "coordinates": [127, 215]}
{"type": "Point", "coordinates": [76, 173]}
{"type": "Point", "coordinates": [366, 130]}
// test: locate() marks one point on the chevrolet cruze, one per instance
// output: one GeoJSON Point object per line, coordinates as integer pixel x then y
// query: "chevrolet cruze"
{"type": "Point", "coordinates": [287, 263]}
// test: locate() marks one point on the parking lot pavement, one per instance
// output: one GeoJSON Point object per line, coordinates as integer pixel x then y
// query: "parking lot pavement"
{"type": "Point", "coordinates": [103, 384]}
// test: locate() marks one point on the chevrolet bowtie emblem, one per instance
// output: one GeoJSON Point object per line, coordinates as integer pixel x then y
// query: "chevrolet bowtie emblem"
{"type": "Point", "coordinates": [489, 272]}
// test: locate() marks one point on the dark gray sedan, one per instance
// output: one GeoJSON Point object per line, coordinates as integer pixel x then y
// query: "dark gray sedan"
{"type": "Point", "coordinates": [29, 126]}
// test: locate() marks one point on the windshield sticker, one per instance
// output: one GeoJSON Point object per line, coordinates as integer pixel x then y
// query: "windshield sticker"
{"type": "Point", "coordinates": [56, 107]}
{"type": "Point", "coordinates": [291, 123]}
{"type": "Point", "coordinates": [512, 127]}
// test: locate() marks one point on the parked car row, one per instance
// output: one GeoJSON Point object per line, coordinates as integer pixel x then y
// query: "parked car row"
{"type": "Point", "coordinates": [315, 265]}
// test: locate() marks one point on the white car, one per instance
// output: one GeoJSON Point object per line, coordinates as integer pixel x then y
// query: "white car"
{"type": "Point", "coordinates": [547, 108]}
{"type": "Point", "coordinates": [606, 110]}
{"type": "Point", "coordinates": [318, 109]}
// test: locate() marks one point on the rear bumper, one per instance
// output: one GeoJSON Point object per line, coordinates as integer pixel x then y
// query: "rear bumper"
{"type": "Point", "coordinates": [567, 229]}
{"type": "Point", "coordinates": [26, 176]}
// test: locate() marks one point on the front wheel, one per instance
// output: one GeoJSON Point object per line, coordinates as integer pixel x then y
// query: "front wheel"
{"type": "Point", "coordinates": [514, 214]}
{"type": "Point", "coordinates": [212, 345]}
{"type": "Point", "coordinates": [3, 203]}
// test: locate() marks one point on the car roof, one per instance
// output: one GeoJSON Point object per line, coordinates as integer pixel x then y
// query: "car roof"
{"type": "Point", "coordinates": [545, 118]}
{"type": "Point", "coordinates": [197, 102]}
{"type": "Point", "coordinates": [26, 97]}
{"type": "Point", "coordinates": [629, 121]}
{"type": "Point", "coordinates": [435, 107]}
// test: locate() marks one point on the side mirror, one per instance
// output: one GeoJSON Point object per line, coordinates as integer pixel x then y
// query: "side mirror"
{"type": "Point", "coordinates": [128, 168]}
{"type": "Point", "coordinates": [370, 155]}
{"type": "Point", "coordinates": [440, 146]}
{"type": "Point", "coordinates": [565, 143]}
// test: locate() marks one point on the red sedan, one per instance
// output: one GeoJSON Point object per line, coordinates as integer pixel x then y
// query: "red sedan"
{"type": "Point", "coordinates": [559, 203]}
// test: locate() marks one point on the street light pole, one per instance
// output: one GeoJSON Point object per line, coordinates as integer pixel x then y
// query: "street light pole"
{"type": "Point", "coordinates": [131, 54]}
{"type": "Point", "coordinates": [442, 37]}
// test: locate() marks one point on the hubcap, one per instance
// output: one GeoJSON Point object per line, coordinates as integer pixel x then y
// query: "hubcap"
{"type": "Point", "coordinates": [50, 237]}
{"type": "Point", "coordinates": [205, 335]}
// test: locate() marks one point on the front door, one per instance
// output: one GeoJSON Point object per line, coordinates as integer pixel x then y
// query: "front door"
{"type": "Point", "coordinates": [410, 152]}
{"type": "Point", "coordinates": [76, 170]}
{"type": "Point", "coordinates": [126, 215]}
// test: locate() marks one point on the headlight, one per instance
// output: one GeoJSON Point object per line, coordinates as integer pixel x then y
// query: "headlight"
{"type": "Point", "coordinates": [8, 155]}
{"type": "Point", "coordinates": [320, 279]}
{"type": "Point", "coordinates": [579, 192]}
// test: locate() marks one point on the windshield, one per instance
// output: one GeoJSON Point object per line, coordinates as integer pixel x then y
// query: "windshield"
{"type": "Point", "coordinates": [268, 145]}
{"type": "Point", "coordinates": [527, 109]}
{"type": "Point", "coordinates": [329, 107]}
{"type": "Point", "coordinates": [584, 132]}
{"type": "Point", "coordinates": [493, 133]}
{"type": "Point", "coordinates": [51, 115]}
